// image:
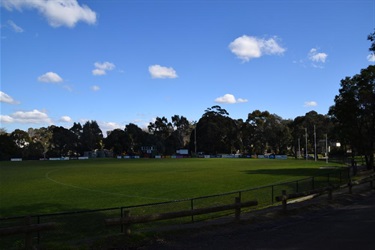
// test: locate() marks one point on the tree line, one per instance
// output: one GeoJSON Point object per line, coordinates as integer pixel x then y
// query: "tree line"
{"type": "Point", "coordinates": [350, 121]}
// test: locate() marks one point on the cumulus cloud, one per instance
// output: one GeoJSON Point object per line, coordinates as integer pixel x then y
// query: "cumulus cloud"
{"type": "Point", "coordinates": [316, 56]}
{"type": "Point", "coordinates": [50, 77]}
{"type": "Point", "coordinates": [102, 68]}
{"type": "Point", "coordinates": [108, 126]}
{"type": "Point", "coordinates": [229, 99]}
{"type": "Point", "coordinates": [158, 71]}
{"type": "Point", "coordinates": [34, 117]}
{"type": "Point", "coordinates": [57, 12]}
{"type": "Point", "coordinates": [15, 27]}
{"type": "Point", "coordinates": [371, 58]}
{"type": "Point", "coordinates": [7, 98]}
{"type": "Point", "coordinates": [95, 88]}
{"type": "Point", "coordinates": [65, 119]}
{"type": "Point", "coordinates": [310, 104]}
{"type": "Point", "coordinates": [249, 47]}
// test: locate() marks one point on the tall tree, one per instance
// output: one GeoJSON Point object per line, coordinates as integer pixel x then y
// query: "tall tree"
{"type": "Point", "coordinates": [308, 124]}
{"type": "Point", "coordinates": [268, 133]}
{"type": "Point", "coordinates": [216, 132]}
{"type": "Point", "coordinates": [92, 136]}
{"type": "Point", "coordinates": [77, 131]}
{"type": "Point", "coordinates": [8, 147]}
{"type": "Point", "coordinates": [116, 141]}
{"type": "Point", "coordinates": [354, 112]}
{"type": "Point", "coordinates": [62, 142]}
{"type": "Point", "coordinates": [135, 137]}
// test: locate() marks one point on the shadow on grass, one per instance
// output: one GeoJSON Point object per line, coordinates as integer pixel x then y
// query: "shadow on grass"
{"type": "Point", "coordinates": [35, 209]}
{"type": "Point", "coordinates": [73, 226]}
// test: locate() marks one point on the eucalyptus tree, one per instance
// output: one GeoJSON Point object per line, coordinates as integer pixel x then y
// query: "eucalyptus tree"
{"type": "Point", "coordinates": [116, 141]}
{"type": "Point", "coordinates": [354, 113]}
{"type": "Point", "coordinates": [310, 129]}
{"type": "Point", "coordinates": [267, 133]}
{"type": "Point", "coordinates": [216, 132]}
{"type": "Point", "coordinates": [135, 138]}
{"type": "Point", "coordinates": [8, 147]}
{"type": "Point", "coordinates": [62, 142]}
{"type": "Point", "coordinates": [92, 136]}
{"type": "Point", "coordinates": [43, 136]}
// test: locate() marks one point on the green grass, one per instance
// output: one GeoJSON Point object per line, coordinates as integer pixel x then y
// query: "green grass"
{"type": "Point", "coordinates": [36, 187]}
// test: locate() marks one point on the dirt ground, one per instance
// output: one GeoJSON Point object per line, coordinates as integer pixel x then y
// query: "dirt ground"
{"type": "Point", "coordinates": [346, 222]}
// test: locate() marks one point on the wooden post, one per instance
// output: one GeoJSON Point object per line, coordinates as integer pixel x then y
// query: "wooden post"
{"type": "Point", "coordinates": [330, 191]}
{"type": "Point", "coordinates": [237, 201]}
{"type": "Point", "coordinates": [28, 234]}
{"type": "Point", "coordinates": [284, 200]}
{"type": "Point", "coordinates": [127, 230]}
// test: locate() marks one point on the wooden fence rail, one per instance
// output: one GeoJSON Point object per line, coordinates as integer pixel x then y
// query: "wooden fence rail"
{"type": "Point", "coordinates": [284, 196]}
{"type": "Point", "coordinates": [28, 229]}
{"type": "Point", "coordinates": [128, 220]}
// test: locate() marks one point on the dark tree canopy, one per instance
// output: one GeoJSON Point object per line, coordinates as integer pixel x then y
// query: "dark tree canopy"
{"type": "Point", "coordinates": [354, 112]}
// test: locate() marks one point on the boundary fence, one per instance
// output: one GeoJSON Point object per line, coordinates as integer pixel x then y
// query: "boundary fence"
{"type": "Point", "coordinates": [71, 228]}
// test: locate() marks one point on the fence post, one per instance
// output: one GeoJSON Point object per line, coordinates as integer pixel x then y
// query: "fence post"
{"type": "Point", "coordinates": [192, 208]}
{"type": "Point", "coordinates": [122, 216]}
{"type": "Point", "coordinates": [330, 191]}
{"type": "Point", "coordinates": [284, 200]}
{"type": "Point", "coordinates": [38, 221]}
{"type": "Point", "coordinates": [297, 186]}
{"type": "Point", "coordinates": [272, 194]}
{"type": "Point", "coordinates": [127, 227]}
{"type": "Point", "coordinates": [29, 235]}
{"type": "Point", "coordinates": [237, 201]}
{"type": "Point", "coordinates": [313, 183]}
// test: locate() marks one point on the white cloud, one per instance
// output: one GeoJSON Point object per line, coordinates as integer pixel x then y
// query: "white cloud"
{"type": "Point", "coordinates": [15, 27]}
{"type": "Point", "coordinates": [241, 100]}
{"type": "Point", "coordinates": [249, 47]}
{"type": "Point", "coordinates": [102, 68]}
{"type": "Point", "coordinates": [316, 56]}
{"type": "Point", "coordinates": [108, 126]}
{"type": "Point", "coordinates": [65, 119]}
{"type": "Point", "coordinates": [35, 116]}
{"type": "Point", "coordinates": [95, 88]}
{"type": "Point", "coordinates": [58, 12]}
{"type": "Point", "coordinates": [310, 104]}
{"type": "Point", "coordinates": [229, 99]}
{"type": "Point", "coordinates": [371, 58]}
{"type": "Point", "coordinates": [50, 77]}
{"type": "Point", "coordinates": [7, 98]}
{"type": "Point", "coordinates": [158, 71]}
{"type": "Point", "coordinates": [6, 119]}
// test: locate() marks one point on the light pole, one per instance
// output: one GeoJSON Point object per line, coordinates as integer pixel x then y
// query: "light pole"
{"type": "Point", "coordinates": [306, 141]}
{"type": "Point", "coordinates": [327, 148]}
{"type": "Point", "coordinates": [315, 144]}
{"type": "Point", "coordinates": [195, 139]}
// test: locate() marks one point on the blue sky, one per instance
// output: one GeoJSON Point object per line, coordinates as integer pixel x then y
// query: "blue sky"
{"type": "Point", "coordinates": [120, 62]}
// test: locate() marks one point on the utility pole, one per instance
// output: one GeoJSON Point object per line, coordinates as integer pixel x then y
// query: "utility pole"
{"type": "Point", "coordinates": [306, 142]}
{"type": "Point", "coordinates": [315, 155]}
{"type": "Point", "coordinates": [327, 148]}
{"type": "Point", "coordinates": [195, 139]}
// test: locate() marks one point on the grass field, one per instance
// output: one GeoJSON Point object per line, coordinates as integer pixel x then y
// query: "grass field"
{"type": "Point", "coordinates": [35, 187]}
